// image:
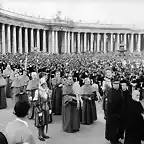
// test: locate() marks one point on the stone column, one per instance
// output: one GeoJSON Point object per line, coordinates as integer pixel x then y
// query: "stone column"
{"type": "Point", "coordinates": [32, 39]}
{"type": "Point", "coordinates": [82, 50]}
{"type": "Point", "coordinates": [49, 41]}
{"type": "Point", "coordinates": [26, 40]}
{"type": "Point", "coordinates": [78, 43]}
{"type": "Point", "coordinates": [56, 42]}
{"type": "Point", "coordinates": [85, 46]}
{"type": "Point", "coordinates": [68, 48]}
{"type": "Point", "coordinates": [8, 39]}
{"type": "Point", "coordinates": [65, 42]}
{"type": "Point", "coordinates": [139, 43]}
{"type": "Point", "coordinates": [53, 42]}
{"type": "Point", "coordinates": [44, 41]}
{"type": "Point", "coordinates": [14, 40]}
{"type": "Point", "coordinates": [118, 42]}
{"type": "Point", "coordinates": [98, 42]}
{"type": "Point", "coordinates": [20, 40]}
{"type": "Point", "coordinates": [105, 40]}
{"type": "Point", "coordinates": [111, 42]}
{"type": "Point", "coordinates": [38, 39]}
{"type": "Point", "coordinates": [94, 42]}
{"type": "Point", "coordinates": [125, 40]}
{"type": "Point", "coordinates": [131, 43]}
{"type": "Point", "coordinates": [3, 39]}
{"type": "Point", "coordinates": [92, 39]}
{"type": "Point", "coordinates": [72, 42]}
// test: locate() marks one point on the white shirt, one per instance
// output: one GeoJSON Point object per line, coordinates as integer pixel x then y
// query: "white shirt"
{"type": "Point", "coordinates": [22, 121]}
{"type": "Point", "coordinates": [42, 94]}
{"type": "Point", "coordinates": [76, 88]}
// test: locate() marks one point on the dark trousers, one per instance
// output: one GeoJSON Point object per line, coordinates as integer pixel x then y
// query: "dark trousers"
{"type": "Point", "coordinates": [41, 131]}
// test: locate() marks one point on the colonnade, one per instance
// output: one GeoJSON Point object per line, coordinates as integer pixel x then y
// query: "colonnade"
{"type": "Point", "coordinates": [16, 39]}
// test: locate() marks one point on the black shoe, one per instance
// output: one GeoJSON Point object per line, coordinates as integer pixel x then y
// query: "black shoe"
{"type": "Point", "coordinates": [41, 138]}
{"type": "Point", "coordinates": [46, 136]}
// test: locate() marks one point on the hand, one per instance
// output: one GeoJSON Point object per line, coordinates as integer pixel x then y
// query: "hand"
{"type": "Point", "coordinates": [142, 115]}
{"type": "Point", "coordinates": [30, 98]}
{"type": "Point", "coordinates": [99, 98]}
{"type": "Point", "coordinates": [78, 104]}
{"type": "Point", "coordinates": [50, 111]}
{"type": "Point", "coordinates": [60, 85]}
{"type": "Point", "coordinates": [81, 103]}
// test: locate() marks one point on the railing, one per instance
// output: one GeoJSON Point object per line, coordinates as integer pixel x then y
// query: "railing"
{"type": "Point", "coordinates": [55, 21]}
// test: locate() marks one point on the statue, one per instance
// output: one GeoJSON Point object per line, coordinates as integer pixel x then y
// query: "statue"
{"type": "Point", "coordinates": [58, 15]}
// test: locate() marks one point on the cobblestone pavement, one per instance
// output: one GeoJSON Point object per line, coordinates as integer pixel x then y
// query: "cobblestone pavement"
{"type": "Point", "coordinates": [93, 134]}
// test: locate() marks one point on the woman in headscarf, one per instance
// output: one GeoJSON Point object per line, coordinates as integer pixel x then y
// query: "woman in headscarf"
{"type": "Point", "coordinates": [7, 73]}
{"type": "Point", "coordinates": [70, 107]}
{"type": "Point", "coordinates": [3, 103]}
{"type": "Point", "coordinates": [89, 114]}
{"type": "Point", "coordinates": [134, 130]}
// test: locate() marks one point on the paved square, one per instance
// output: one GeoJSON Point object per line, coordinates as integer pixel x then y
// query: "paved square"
{"type": "Point", "coordinates": [90, 134]}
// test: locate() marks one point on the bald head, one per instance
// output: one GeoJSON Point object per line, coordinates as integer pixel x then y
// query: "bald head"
{"type": "Point", "coordinates": [136, 95]}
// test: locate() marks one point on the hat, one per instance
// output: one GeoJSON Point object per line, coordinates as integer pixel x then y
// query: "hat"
{"type": "Point", "coordinates": [115, 79]}
{"type": "Point", "coordinates": [123, 81]}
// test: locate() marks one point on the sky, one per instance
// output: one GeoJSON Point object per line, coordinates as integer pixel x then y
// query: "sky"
{"type": "Point", "coordinates": [129, 12]}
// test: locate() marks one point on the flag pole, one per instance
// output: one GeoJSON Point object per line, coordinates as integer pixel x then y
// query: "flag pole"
{"type": "Point", "coordinates": [26, 59]}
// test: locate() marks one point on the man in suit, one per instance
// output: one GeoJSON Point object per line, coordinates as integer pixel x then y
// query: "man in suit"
{"type": "Point", "coordinates": [18, 131]}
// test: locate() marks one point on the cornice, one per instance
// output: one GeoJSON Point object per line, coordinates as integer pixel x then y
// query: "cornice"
{"type": "Point", "coordinates": [62, 25]}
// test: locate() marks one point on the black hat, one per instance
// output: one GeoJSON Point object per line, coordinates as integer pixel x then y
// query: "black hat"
{"type": "Point", "coordinates": [42, 74]}
{"type": "Point", "coordinates": [42, 70]}
{"type": "Point", "coordinates": [115, 79]}
{"type": "Point", "coordinates": [123, 81]}
{"type": "Point", "coordinates": [52, 74]}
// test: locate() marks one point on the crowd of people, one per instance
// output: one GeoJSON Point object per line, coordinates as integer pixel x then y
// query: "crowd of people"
{"type": "Point", "coordinates": [69, 85]}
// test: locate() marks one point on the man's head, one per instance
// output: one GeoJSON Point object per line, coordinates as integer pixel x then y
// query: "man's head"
{"type": "Point", "coordinates": [87, 81]}
{"type": "Point", "coordinates": [136, 95]}
{"type": "Point", "coordinates": [57, 74]}
{"type": "Point", "coordinates": [70, 80]}
{"type": "Point", "coordinates": [24, 72]}
{"type": "Point", "coordinates": [124, 85]}
{"type": "Point", "coordinates": [34, 75]}
{"type": "Point", "coordinates": [108, 73]}
{"type": "Point", "coordinates": [21, 109]}
{"type": "Point", "coordinates": [43, 82]}
{"type": "Point", "coordinates": [16, 75]}
{"type": "Point", "coordinates": [115, 83]}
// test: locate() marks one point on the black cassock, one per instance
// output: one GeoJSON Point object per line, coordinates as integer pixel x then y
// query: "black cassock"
{"type": "Point", "coordinates": [115, 106]}
{"type": "Point", "coordinates": [134, 130]}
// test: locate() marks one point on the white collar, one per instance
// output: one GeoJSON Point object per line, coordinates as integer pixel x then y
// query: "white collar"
{"type": "Point", "coordinates": [18, 119]}
{"type": "Point", "coordinates": [107, 79]}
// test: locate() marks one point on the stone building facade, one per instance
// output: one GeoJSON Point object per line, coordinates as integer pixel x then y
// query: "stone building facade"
{"type": "Point", "coordinates": [21, 33]}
